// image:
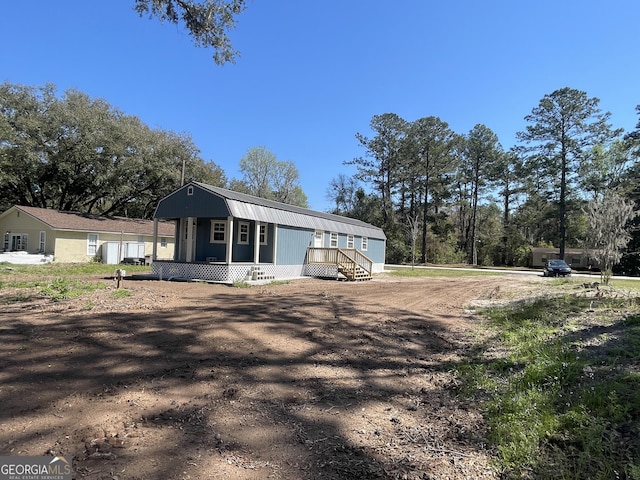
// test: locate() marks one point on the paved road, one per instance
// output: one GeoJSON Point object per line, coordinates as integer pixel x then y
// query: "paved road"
{"type": "Point", "coordinates": [515, 272]}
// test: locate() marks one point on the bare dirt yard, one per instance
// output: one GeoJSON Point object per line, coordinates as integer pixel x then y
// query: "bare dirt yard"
{"type": "Point", "coordinates": [313, 379]}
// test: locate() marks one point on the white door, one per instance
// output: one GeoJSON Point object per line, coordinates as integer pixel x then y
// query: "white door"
{"type": "Point", "coordinates": [318, 238]}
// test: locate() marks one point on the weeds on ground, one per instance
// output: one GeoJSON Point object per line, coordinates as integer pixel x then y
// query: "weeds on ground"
{"type": "Point", "coordinates": [66, 269]}
{"type": "Point", "coordinates": [562, 399]}
{"type": "Point", "coordinates": [121, 293]}
{"type": "Point", "coordinates": [64, 288]}
{"type": "Point", "coordinates": [439, 272]}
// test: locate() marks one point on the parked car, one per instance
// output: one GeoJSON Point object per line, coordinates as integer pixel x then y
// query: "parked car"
{"type": "Point", "coordinates": [556, 268]}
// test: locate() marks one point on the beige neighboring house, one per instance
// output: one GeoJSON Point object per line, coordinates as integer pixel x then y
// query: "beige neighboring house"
{"type": "Point", "coordinates": [577, 258]}
{"type": "Point", "coordinates": [72, 237]}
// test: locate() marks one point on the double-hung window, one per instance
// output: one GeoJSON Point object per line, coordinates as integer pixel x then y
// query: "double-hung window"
{"type": "Point", "coordinates": [92, 244]}
{"type": "Point", "coordinates": [263, 234]}
{"type": "Point", "coordinates": [333, 240]}
{"type": "Point", "coordinates": [218, 232]}
{"type": "Point", "coordinates": [350, 242]}
{"type": "Point", "coordinates": [243, 233]}
{"type": "Point", "coordinates": [365, 244]}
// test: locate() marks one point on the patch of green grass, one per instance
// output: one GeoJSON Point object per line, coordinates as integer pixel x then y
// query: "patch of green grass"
{"type": "Point", "coordinates": [122, 293]}
{"type": "Point", "coordinates": [69, 269]}
{"type": "Point", "coordinates": [241, 284]}
{"type": "Point", "coordinates": [64, 288]}
{"type": "Point", "coordinates": [279, 282]}
{"type": "Point", "coordinates": [439, 272]}
{"type": "Point", "coordinates": [564, 399]}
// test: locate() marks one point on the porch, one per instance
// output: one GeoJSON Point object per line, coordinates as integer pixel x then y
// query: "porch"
{"type": "Point", "coordinates": [220, 272]}
{"type": "Point", "coordinates": [348, 262]}
{"type": "Point", "coordinates": [321, 262]}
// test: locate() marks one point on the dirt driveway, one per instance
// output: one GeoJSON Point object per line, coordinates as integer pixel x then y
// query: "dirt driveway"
{"type": "Point", "coordinates": [307, 380]}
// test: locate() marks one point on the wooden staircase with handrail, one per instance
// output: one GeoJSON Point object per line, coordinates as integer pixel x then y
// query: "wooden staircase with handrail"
{"type": "Point", "coordinates": [351, 263]}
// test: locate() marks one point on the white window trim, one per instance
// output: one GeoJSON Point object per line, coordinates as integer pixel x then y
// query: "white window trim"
{"type": "Point", "coordinates": [364, 244]}
{"type": "Point", "coordinates": [91, 244]}
{"type": "Point", "coordinates": [190, 190]}
{"type": "Point", "coordinates": [263, 234]}
{"type": "Point", "coordinates": [241, 233]}
{"type": "Point", "coordinates": [333, 240]}
{"type": "Point", "coordinates": [213, 231]}
{"type": "Point", "coordinates": [42, 241]}
{"type": "Point", "coordinates": [351, 243]}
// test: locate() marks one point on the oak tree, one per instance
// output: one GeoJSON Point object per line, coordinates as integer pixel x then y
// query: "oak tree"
{"type": "Point", "coordinates": [208, 21]}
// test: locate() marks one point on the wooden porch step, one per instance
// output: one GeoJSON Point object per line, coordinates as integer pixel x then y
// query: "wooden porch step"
{"type": "Point", "coordinates": [348, 272]}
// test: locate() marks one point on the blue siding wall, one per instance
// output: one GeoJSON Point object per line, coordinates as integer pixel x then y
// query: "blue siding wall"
{"type": "Point", "coordinates": [200, 204]}
{"type": "Point", "coordinates": [292, 245]}
{"type": "Point", "coordinates": [204, 248]}
{"type": "Point", "coordinates": [266, 251]}
{"type": "Point", "coordinates": [375, 250]}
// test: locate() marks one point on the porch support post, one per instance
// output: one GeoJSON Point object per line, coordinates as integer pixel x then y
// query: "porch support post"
{"type": "Point", "coordinates": [189, 239]}
{"type": "Point", "coordinates": [154, 253]}
{"type": "Point", "coordinates": [275, 243]}
{"type": "Point", "coordinates": [256, 243]}
{"type": "Point", "coordinates": [229, 240]}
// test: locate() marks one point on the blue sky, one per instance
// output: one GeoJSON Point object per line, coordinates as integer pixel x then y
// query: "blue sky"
{"type": "Point", "coordinates": [311, 74]}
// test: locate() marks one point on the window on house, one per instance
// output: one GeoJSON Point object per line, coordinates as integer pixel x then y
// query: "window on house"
{"type": "Point", "coordinates": [163, 242]}
{"type": "Point", "coordinates": [243, 233]}
{"type": "Point", "coordinates": [20, 242]}
{"type": "Point", "coordinates": [5, 247]}
{"type": "Point", "coordinates": [350, 242]}
{"type": "Point", "coordinates": [365, 244]}
{"type": "Point", "coordinates": [92, 244]}
{"type": "Point", "coordinates": [263, 234]}
{"type": "Point", "coordinates": [189, 190]}
{"type": "Point", "coordinates": [42, 241]}
{"type": "Point", "coordinates": [218, 232]}
{"type": "Point", "coordinates": [333, 242]}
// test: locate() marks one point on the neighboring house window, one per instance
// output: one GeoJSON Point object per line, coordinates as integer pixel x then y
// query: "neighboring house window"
{"type": "Point", "coordinates": [6, 242]}
{"type": "Point", "coordinates": [263, 234]}
{"type": "Point", "coordinates": [42, 242]}
{"type": "Point", "coordinates": [365, 243]}
{"type": "Point", "coordinates": [243, 233]}
{"type": "Point", "coordinates": [92, 244]}
{"type": "Point", "coordinates": [190, 190]}
{"type": "Point", "coordinates": [163, 242]}
{"type": "Point", "coordinates": [349, 241]}
{"type": "Point", "coordinates": [333, 242]}
{"type": "Point", "coordinates": [20, 241]}
{"type": "Point", "coordinates": [218, 232]}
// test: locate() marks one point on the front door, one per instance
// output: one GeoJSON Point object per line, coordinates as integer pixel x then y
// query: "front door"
{"type": "Point", "coordinates": [318, 238]}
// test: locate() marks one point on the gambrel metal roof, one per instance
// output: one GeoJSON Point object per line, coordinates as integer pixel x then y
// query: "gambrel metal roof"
{"type": "Point", "coordinates": [249, 207]}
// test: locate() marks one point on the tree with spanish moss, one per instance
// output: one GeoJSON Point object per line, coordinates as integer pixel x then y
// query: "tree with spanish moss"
{"type": "Point", "coordinates": [561, 132]}
{"type": "Point", "coordinates": [207, 21]}
{"type": "Point", "coordinates": [608, 234]}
